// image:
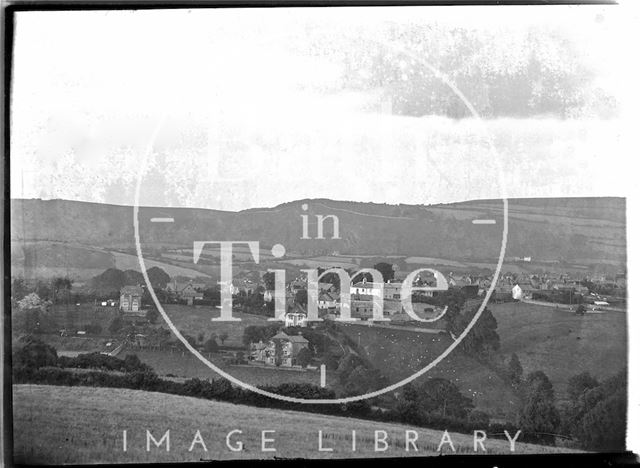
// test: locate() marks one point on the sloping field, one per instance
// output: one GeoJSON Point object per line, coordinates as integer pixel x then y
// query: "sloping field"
{"type": "Point", "coordinates": [561, 343]}
{"type": "Point", "coordinates": [84, 425]}
{"type": "Point", "coordinates": [557, 342]}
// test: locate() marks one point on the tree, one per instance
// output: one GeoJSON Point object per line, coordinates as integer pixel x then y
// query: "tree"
{"type": "Point", "coordinates": [133, 278]}
{"type": "Point", "coordinates": [223, 336]}
{"type": "Point", "coordinates": [109, 282]}
{"type": "Point", "coordinates": [514, 369]}
{"type": "Point", "coordinates": [580, 383]}
{"type": "Point", "coordinates": [152, 315]}
{"type": "Point", "coordinates": [539, 418]}
{"type": "Point", "coordinates": [304, 357]}
{"type": "Point", "coordinates": [60, 286]}
{"type": "Point", "coordinates": [598, 417]}
{"type": "Point", "coordinates": [35, 354]}
{"type": "Point", "coordinates": [200, 337]}
{"type": "Point", "coordinates": [255, 333]}
{"type": "Point", "coordinates": [483, 337]}
{"type": "Point", "coordinates": [439, 395]}
{"type": "Point", "coordinates": [212, 294]}
{"type": "Point", "coordinates": [269, 279]}
{"type": "Point", "coordinates": [158, 277]}
{"type": "Point", "coordinates": [278, 352]}
{"type": "Point", "coordinates": [581, 309]}
{"type": "Point", "coordinates": [211, 345]}
{"type": "Point", "coordinates": [386, 269]}
{"type": "Point", "coordinates": [30, 301]}
{"type": "Point", "coordinates": [301, 297]}
{"type": "Point", "coordinates": [132, 363]}
{"type": "Point", "coordinates": [29, 315]}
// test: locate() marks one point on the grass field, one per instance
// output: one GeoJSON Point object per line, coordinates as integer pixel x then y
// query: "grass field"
{"type": "Point", "coordinates": [556, 342]}
{"type": "Point", "coordinates": [65, 425]}
{"type": "Point", "coordinates": [561, 343]}
{"type": "Point", "coordinates": [196, 320]}
{"type": "Point", "coordinates": [184, 364]}
{"type": "Point", "coordinates": [399, 354]}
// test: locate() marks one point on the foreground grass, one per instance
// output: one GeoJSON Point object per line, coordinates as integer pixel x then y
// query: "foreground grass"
{"type": "Point", "coordinates": [84, 425]}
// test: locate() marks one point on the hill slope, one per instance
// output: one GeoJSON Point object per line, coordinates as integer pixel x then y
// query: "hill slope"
{"type": "Point", "coordinates": [584, 230]}
{"type": "Point", "coordinates": [84, 425]}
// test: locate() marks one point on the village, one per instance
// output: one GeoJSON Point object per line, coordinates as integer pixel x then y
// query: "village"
{"type": "Point", "coordinates": [132, 319]}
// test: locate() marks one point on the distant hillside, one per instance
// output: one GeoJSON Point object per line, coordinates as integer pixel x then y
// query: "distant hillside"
{"type": "Point", "coordinates": [582, 230]}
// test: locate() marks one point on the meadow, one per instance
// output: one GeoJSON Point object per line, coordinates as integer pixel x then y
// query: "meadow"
{"type": "Point", "coordinates": [197, 320]}
{"type": "Point", "coordinates": [71, 425]}
{"type": "Point", "coordinates": [561, 343]}
{"type": "Point", "coordinates": [557, 342]}
{"type": "Point", "coordinates": [183, 364]}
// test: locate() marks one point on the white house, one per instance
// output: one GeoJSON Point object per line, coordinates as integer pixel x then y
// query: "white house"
{"type": "Point", "coordinates": [295, 319]}
{"type": "Point", "coordinates": [366, 289]}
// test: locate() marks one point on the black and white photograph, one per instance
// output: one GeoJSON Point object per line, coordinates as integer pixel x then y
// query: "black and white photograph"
{"type": "Point", "coordinates": [337, 232]}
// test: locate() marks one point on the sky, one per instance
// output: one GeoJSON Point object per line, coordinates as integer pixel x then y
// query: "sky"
{"type": "Point", "coordinates": [229, 109]}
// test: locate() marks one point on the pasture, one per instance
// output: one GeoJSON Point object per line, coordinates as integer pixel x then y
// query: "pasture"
{"type": "Point", "coordinates": [194, 320]}
{"type": "Point", "coordinates": [400, 354]}
{"type": "Point", "coordinates": [557, 342]}
{"type": "Point", "coordinates": [560, 343]}
{"type": "Point", "coordinates": [183, 364]}
{"type": "Point", "coordinates": [65, 425]}
{"type": "Point", "coordinates": [79, 316]}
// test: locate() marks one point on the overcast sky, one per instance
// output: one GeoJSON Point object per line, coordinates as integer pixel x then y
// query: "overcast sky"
{"type": "Point", "coordinates": [228, 109]}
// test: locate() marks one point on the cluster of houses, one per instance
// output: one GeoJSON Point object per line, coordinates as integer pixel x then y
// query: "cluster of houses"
{"type": "Point", "coordinates": [554, 288]}
{"type": "Point", "coordinates": [361, 305]}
